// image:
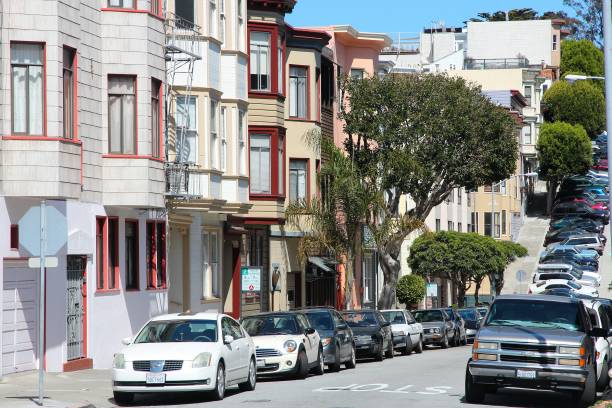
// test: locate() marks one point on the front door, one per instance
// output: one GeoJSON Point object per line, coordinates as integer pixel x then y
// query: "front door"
{"type": "Point", "coordinates": [76, 307]}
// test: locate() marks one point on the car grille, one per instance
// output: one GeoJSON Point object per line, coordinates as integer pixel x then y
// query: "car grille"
{"type": "Point", "coordinates": [266, 352]}
{"type": "Point", "coordinates": [527, 359]}
{"type": "Point", "coordinates": [539, 348]}
{"type": "Point", "coordinates": [363, 339]}
{"type": "Point", "coordinates": [169, 365]}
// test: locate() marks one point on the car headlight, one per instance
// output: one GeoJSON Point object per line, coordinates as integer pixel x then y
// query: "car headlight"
{"type": "Point", "coordinates": [485, 345]}
{"type": "Point", "coordinates": [201, 360]}
{"type": "Point", "coordinates": [574, 351]}
{"type": "Point", "coordinates": [119, 361]}
{"type": "Point", "coordinates": [326, 341]}
{"type": "Point", "coordinates": [399, 333]}
{"type": "Point", "coordinates": [436, 330]}
{"type": "Point", "coordinates": [290, 346]}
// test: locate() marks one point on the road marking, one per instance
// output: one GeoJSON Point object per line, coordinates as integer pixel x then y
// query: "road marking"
{"type": "Point", "coordinates": [434, 390]}
{"type": "Point", "coordinates": [400, 390]}
{"type": "Point", "coordinates": [377, 387]}
{"type": "Point", "coordinates": [328, 389]}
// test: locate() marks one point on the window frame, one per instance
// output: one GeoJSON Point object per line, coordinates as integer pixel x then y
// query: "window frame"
{"type": "Point", "coordinates": [122, 7]}
{"type": "Point", "coordinates": [213, 129]}
{"type": "Point", "coordinates": [222, 22]}
{"type": "Point", "coordinates": [503, 222]}
{"type": "Point", "coordinates": [14, 237]}
{"type": "Point", "coordinates": [190, 128]}
{"type": "Point", "coordinates": [157, 150]}
{"type": "Point", "coordinates": [152, 254]}
{"type": "Point", "coordinates": [213, 19]}
{"type": "Point", "coordinates": [306, 90]}
{"type": "Point", "coordinates": [359, 71]}
{"type": "Point", "coordinates": [554, 42]}
{"type": "Point", "coordinates": [116, 269]}
{"type": "Point", "coordinates": [276, 190]}
{"type": "Point", "coordinates": [306, 181]}
{"type": "Point", "coordinates": [44, 89]}
{"type": "Point", "coordinates": [212, 272]}
{"type": "Point", "coordinates": [243, 163]}
{"type": "Point", "coordinates": [102, 262]}
{"type": "Point", "coordinates": [136, 223]}
{"type": "Point", "coordinates": [156, 7]}
{"type": "Point", "coordinates": [223, 137]}
{"type": "Point", "coordinates": [73, 122]}
{"type": "Point", "coordinates": [109, 119]}
{"type": "Point", "coordinates": [273, 30]}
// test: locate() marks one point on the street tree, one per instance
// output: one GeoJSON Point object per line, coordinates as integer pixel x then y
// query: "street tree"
{"type": "Point", "coordinates": [589, 20]}
{"type": "Point", "coordinates": [411, 290]}
{"type": "Point", "coordinates": [422, 135]}
{"type": "Point", "coordinates": [580, 103]}
{"type": "Point", "coordinates": [570, 23]}
{"type": "Point", "coordinates": [581, 57]}
{"type": "Point", "coordinates": [331, 223]}
{"type": "Point", "coordinates": [563, 150]}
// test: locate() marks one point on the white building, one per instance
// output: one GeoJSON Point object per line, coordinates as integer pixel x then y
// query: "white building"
{"type": "Point", "coordinates": [81, 126]}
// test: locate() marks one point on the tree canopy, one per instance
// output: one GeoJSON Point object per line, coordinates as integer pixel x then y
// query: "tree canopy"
{"type": "Point", "coordinates": [581, 57]}
{"type": "Point", "coordinates": [528, 14]}
{"type": "Point", "coordinates": [580, 103]}
{"type": "Point", "coordinates": [421, 135]}
{"type": "Point", "coordinates": [588, 21]}
{"type": "Point", "coordinates": [411, 289]}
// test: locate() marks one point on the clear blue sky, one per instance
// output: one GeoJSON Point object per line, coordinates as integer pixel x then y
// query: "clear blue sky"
{"type": "Point", "coordinates": [391, 16]}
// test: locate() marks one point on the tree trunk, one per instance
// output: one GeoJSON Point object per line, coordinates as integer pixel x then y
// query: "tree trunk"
{"type": "Point", "coordinates": [391, 269]}
{"type": "Point", "coordinates": [350, 282]}
{"type": "Point", "coordinates": [461, 289]}
{"type": "Point", "coordinates": [476, 292]}
{"type": "Point", "coordinates": [551, 187]}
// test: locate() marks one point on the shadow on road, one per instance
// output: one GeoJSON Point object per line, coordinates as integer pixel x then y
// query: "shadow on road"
{"type": "Point", "coordinates": [509, 397]}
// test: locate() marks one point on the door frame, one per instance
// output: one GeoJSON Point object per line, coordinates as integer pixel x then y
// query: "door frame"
{"type": "Point", "coordinates": [85, 362]}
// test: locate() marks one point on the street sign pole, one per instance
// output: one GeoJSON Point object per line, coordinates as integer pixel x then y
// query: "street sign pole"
{"type": "Point", "coordinates": [607, 33]}
{"type": "Point", "coordinates": [41, 316]}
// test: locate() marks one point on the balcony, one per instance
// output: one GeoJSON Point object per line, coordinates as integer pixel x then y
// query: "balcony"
{"type": "Point", "coordinates": [182, 39]}
{"type": "Point", "coordinates": [496, 63]}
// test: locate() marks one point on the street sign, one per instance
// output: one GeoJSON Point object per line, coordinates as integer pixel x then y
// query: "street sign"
{"type": "Point", "coordinates": [432, 289]}
{"type": "Point", "coordinates": [29, 231]}
{"type": "Point", "coordinates": [251, 279]}
{"type": "Point", "coordinates": [50, 262]}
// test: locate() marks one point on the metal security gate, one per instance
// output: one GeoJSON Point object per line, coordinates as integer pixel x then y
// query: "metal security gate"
{"type": "Point", "coordinates": [76, 306]}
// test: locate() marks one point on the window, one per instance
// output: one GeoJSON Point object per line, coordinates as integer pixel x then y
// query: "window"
{"type": "Point", "coordinates": [368, 278]}
{"type": "Point", "coordinates": [260, 164]}
{"type": "Point", "coordinates": [214, 136]}
{"type": "Point", "coordinates": [527, 134]}
{"type": "Point", "coordinates": [156, 255]}
{"type": "Point", "coordinates": [298, 179]}
{"type": "Point", "coordinates": [528, 94]}
{"type": "Point", "coordinates": [212, 18]}
{"type": "Point", "coordinates": [186, 129]}
{"type": "Point", "coordinates": [113, 253]}
{"type": "Point", "coordinates": [459, 227]}
{"type": "Point", "coordinates": [554, 42]}
{"type": "Point", "coordinates": [487, 224]}
{"type": "Point", "coordinates": [327, 83]}
{"type": "Point", "coordinates": [497, 225]}
{"type": "Point", "coordinates": [280, 63]}
{"type": "Point", "coordinates": [131, 254]}
{"type": "Point", "coordinates": [438, 227]}
{"type": "Point", "coordinates": [185, 10]}
{"type": "Point", "coordinates": [496, 187]}
{"type": "Point", "coordinates": [14, 237]}
{"type": "Point", "coordinates": [222, 21]}
{"type": "Point", "coordinates": [100, 275]}
{"type": "Point", "coordinates": [155, 118]}
{"type": "Point", "coordinates": [210, 264]}
{"type": "Point", "coordinates": [242, 143]}
{"type": "Point", "coordinates": [121, 115]}
{"type": "Point", "coordinates": [260, 61]}
{"type": "Point", "coordinates": [156, 7]}
{"type": "Point", "coordinates": [223, 130]}
{"type": "Point", "coordinates": [357, 73]}
{"type": "Point", "coordinates": [503, 222]}
{"type": "Point", "coordinates": [451, 226]}
{"type": "Point", "coordinates": [474, 222]}
{"type": "Point", "coordinates": [240, 26]}
{"type": "Point", "coordinates": [69, 99]}
{"type": "Point", "coordinates": [27, 85]}
{"type": "Point", "coordinates": [298, 92]}
{"type": "Point", "coordinates": [122, 3]}
{"type": "Point", "coordinates": [107, 253]}
{"type": "Point", "coordinates": [281, 165]}
{"type": "Point", "coordinates": [460, 196]}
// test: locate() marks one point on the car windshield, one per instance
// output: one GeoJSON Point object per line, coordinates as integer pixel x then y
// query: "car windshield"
{"type": "Point", "coordinates": [360, 319]}
{"type": "Point", "coordinates": [270, 325]}
{"type": "Point", "coordinates": [394, 316]}
{"type": "Point", "coordinates": [178, 331]}
{"type": "Point", "coordinates": [468, 314]}
{"type": "Point", "coordinates": [535, 314]}
{"type": "Point", "coordinates": [428, 316]}
{"type": "Point", "coordinates": [483, 311]}
{"type": "Point", "coordinates": [320, 321]}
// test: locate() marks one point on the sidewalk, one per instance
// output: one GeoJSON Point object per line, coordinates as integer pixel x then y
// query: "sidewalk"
{"type": "Point", "coordinates": [79, 389]}
{"type": "Point", "coordinates": [531, 237]}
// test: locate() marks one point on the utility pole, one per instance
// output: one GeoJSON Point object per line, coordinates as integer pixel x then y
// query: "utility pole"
{"type": "Point", "coordinates": [607, 32]}
{"type": "Point", "coordinates": [41, 308]}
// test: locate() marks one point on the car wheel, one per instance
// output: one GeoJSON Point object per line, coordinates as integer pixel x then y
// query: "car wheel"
{"type": "Point", "coordinates": [380, 356]}
{"type": "Point", "coordinates": [408, 349]}
{"type": "Point", "coordinates": [302, 365]}
{"type": "Point", "coordinates": [320, 368]}
{"type": "Point", "coordinates": [419, 347]}
{"type": "Point", "coordinates": [249, 384]}
{"type": "Point", "coordinates": [602, 382]}
{"type": "Point", "coordinates": [456, 339]}
{"type": "Point", "coordinates": [444, 343]}
{"type": "Point", "coordinates": [586, 397]}
{"type": "Point", "coordinates": [123, 397]}
{"type": "Point", "coordinates": [390, 350]}
{"type": "Point", "coordinates": [474, 393]}
{"type": "Point", "coordinates": [464, 341]}
{"type": "Point", "coordinates": [219, 391]}
{"type": "Point", "coordinates": [336, 364]}
{"type": "Point", "coordinates": [352, 363]}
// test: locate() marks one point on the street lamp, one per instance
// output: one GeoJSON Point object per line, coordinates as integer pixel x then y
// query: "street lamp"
{"type": "Point", "coordinates": [574, 77]}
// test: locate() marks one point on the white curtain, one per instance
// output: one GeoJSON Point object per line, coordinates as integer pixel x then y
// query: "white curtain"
{"type": "Point", "coordinates": [260, 164]}
{"type": "Point", "coordinates": [129, 124]}
{"type": "Point", "coordinates": [205, 265]}
{"type": "Point", "coordinates": [28, 82]}
{"type": "Point", "coordinates": [297, 179]}
{"type": "Point", "coordinates": [19, 99]}
{"type": "Point", "coordinates": [115, 124]}
{"type": "Point", "coordinates": [281, 165]}
{"type": "Point", "coordinates": [260, 60]}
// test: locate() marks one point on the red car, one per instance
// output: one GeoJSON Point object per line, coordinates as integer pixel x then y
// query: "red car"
{"type": "Point", "coordinates": [601, 165]}
{"type": "Point", "coordinates": [592, 204]}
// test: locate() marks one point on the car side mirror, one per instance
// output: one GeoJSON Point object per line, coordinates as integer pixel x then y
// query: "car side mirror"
{"type": "Point", "coordinates": [227, 339]}
{"type": "Point", "coordinates": [310, 331]}
{"type": "Point", "coordinates": [598, 332]}
{"type": "Point", "coordinates": [126, 341]}
{"type": "Point", "coordinates": [342, 326]}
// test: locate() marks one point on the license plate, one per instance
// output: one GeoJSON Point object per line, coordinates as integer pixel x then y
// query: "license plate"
{"type": "Point", "coordinates": [525, 374]}
{"type": "Point", "coordinates": [156, 378]}
{"type": "Point", "coordinates": [261, 363]}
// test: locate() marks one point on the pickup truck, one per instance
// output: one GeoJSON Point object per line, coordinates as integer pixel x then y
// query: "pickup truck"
{"type": "Point", "coordinates": [535, 342]}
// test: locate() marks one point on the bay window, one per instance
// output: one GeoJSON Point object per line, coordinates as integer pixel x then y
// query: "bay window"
{"type": "Point", "coordinates": [242, 143]}
{"type": "Point", "coordinates": [122, 114]}
{"type": "Point", "coordinates": [260, 164]}
{"type": "Point", "coordinates": [69, 88]}
{"type": "Point", "coordinates": [27, 85]}
{"type": "Point", "coordinates": [298, 92]}
{"type": "Point", "coordinates": [211, 281]}
{"type": "Point", "coordinates": [266, 160]}
{"type": "Point", "coordinates": [223, 130]}
{"type": "Point", "coordinates": [260, 61]}
{"type": "Point", "coordinates": [212, 18]}
{"type": "Point", "coordinates": [155, 118]}
{"type": "Point", "coordinates": [214, 136]}
{"type": "Point", "coordinates": [186, 129]}
{"type": "Point", "coordinates": [298, 179]}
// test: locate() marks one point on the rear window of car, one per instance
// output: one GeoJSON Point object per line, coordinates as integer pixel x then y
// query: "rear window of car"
{"type": "Point", "coordinates": [535, 314]}
{"type": "Point", "coordinates": [547, 276]}
{"type": "Point", "coordinates": [320, 320]}
{"type": "Point", "coordinates": [360, 319]}
{"type": "Point", "coordinates": [468, 314]}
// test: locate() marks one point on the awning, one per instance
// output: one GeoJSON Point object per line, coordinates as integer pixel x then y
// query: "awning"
{"type": "Point", "coordinates": [322, 263]}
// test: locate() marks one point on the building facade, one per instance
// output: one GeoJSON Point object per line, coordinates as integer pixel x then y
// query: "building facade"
{"type": "Point", "coordinates": [82, 128]}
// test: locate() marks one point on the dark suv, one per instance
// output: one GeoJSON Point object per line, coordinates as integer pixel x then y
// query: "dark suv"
{"type": "Point", "coordinates": [336, 336]}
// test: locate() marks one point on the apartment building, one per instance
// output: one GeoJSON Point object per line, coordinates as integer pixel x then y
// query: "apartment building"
{"type": "Point", "coordinates": [81, 127]}
{"type": "Point", "coordinates": [207, 146]}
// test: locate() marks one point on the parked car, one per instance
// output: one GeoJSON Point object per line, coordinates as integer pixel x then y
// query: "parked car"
{"type": "Point", "coordinates": [214, 353]}
{"type": "Point", "coordinates": [460, 338]}
{"type": "Point", "coordinates": [568, 260]}
{"type": "Point", "coordinates": [584, 197]}
{"type": "Point", "coordinates": [601, 165]}
{"type": "Point", "coordinates": [577, 222]}
{"type": "Point", "coordinates": [569, 253]}
{"type": "Point", "coordinates": [407, 332]}
{"type": "Point", "coordinates": [285, 344]}
{"type": "Point", "coordinates": [438, 328]}
{"type": "Point", "coordinates": [562, 234]}
{"type": "Point", "coordinates": [598, 312]}
{"type": "Point", "coordinates": [541, 286]}
{"type": "Point", "coordinates": [336, 337]}
{"type": "Point", "coordinates": [372, 333]}
{"type": "Point", "coordinates": [555, 249]}
{"type": "Point", "coordinates": [536, 342]}
{"type": "Point", "coordinates": [593, 277]}
{"type": "Point", "coordinates": [472, 319]}
{"type": "Point", "coordinates": [549, 276]}
{"type": "Point", "coordinates": [586, 241]}
{"type": "Point", "coordinates": [580, 209]}
{"type": "Point", "coordinates": [482, 310]}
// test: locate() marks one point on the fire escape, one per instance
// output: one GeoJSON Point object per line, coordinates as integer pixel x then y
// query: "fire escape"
{"type": "Point", "coordinates": [182, 50]}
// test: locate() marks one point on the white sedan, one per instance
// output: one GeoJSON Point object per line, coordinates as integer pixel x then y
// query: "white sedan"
{"type": "Point", "coordinates": [185, 352]}
{"type": "Point", "coordinates": [541, 286]}
{"type": "Point", "coordinates": [285, 344]}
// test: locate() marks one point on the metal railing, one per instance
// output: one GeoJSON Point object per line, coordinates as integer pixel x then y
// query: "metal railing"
{"type": "Point", "coordinates": [177, 179]}
{"type": "Point", "coordinates": [403, 42]}
{"type": "Point", "coordinates": [182, 38]}
{"type": "Point", "coordinates": [496, 63]}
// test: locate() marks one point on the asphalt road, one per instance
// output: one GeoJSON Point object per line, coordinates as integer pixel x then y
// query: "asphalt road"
{"type": "Point", "coordinates": [432, 379]}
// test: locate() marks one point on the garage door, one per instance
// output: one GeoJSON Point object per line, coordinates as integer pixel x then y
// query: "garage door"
{"type": "Point", "coordinates": [19, 317]}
